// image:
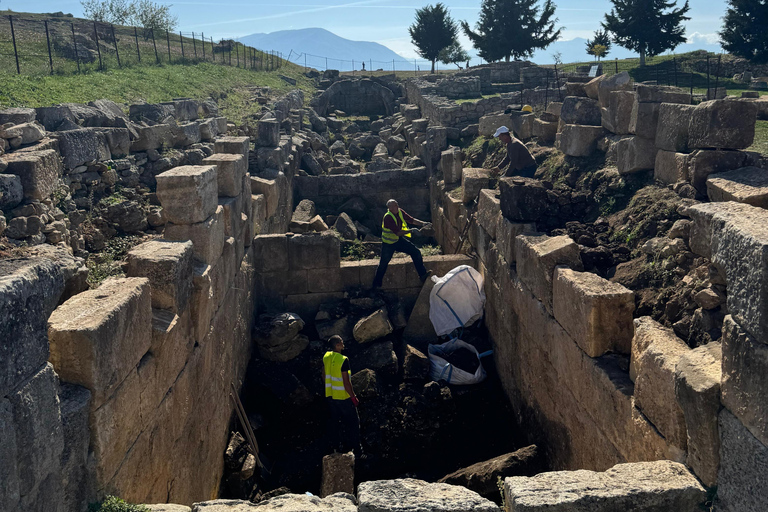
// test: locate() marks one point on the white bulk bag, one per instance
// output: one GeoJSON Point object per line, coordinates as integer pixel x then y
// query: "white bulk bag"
{"type": "Point", "coordinates": [457, 300]}
{"type": "Point", "coordinates": [440, 369]}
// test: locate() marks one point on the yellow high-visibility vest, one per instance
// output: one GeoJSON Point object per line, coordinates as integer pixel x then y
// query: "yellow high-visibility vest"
{"type": "Point", "coordinates": [334, 384]}
{"type": "Point", "coordinates": [387, 235]}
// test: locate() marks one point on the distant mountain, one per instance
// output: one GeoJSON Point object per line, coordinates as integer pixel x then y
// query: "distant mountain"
{"type": "Point", "coordinates": [318, 43]}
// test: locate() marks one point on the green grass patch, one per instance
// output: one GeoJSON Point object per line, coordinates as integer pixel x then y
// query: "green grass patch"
{"type": "Point", "coordinates": [430, 250]}
{"type": "Point", "coordinates": [115, 504]}
{"type": "Point", "coordinates": [152, 84]}
{"type": "Point", "coordinates": [760, 143]}
{"type": "Point", "coordinates": [107, 263]}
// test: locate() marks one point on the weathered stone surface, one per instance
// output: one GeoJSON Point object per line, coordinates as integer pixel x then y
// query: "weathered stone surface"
{"type": "Point", "coordinates": [168, 266]}
{"type": "Point", "coordinates": [186, 134]}
{"type": "Point", "coordinates": [580, 140]}
{"type": "Point", "coordinates": [617, 115]}
{"type": "Point", "coordinates": [537, 257]}
{"type": "Point", "coordinates": [207, 237]}
{"type": "Point", "coordinates": [338, 474]}
{"type": "Point", "coordinates": [618, 82]}
{"type": "Point", "coordinates": [472, 181]}
{"type": "Point", "coordinates": [488, 210]}
{"type": "Point", "coordinates": [583, 111]}
{"type": "Point", "coordinates": [489, 123]}
{"type": "Point", "coordinates": [745, 378]}
{"type": "Point", "coordinates": [672, 126]}
{"type": "Point", "coordinates": [419, 329]}
{"type": "Point", "coordinates": [704, 162]}
{"type": "Point", "coordinates": [595, 312]}
{"type": "Point", "coordinates": [722, 124]}
{"type": "Point", "coordinates": [39, 172]}
{"type": "Point", "coordinates": [188, 193]}
{"type": "Point", "coordinates": [268, 133]}
{"type": "Point", "coordinates": [635, 154]}
{"type": "Point", "coordinates": [451, 165]}
{"type": "Point", "coordinates": [233, 146]}
{"type": "Point", "coordinates": [270, 252]}
{"type": "Point", "coordinates": [379, 356]}
{"type": "Point", "coordinates": [29, 132]}
{"type": "Point", "coordinates": [522, 124]}
{"type": "Point", "coordinates": [522, 199]}
{"type": "Point", "coordinates": [506, 232]}
{"type": "Point", "coordinates": [697, 389]}
{"type": "Point", "coordinates": [17, 115]}
{"type": "Point", "coordinates": [591, 87]}
{"type": "Point", "coordinates": [278, 339]}
{"type": "Point", "coordinates": [97, 337]}
{"type": "Point", "coordinates": [269, 189]}
{"type": "Point", "coordinates": [546, 131]}
{"type": "Point", "coordinates": [415, 364]}
{"type": "Point", "coordinates": [314, 250]}
{"type": "Point", "coordinates": [661, 94]}
{"type": "Point", "coordinates": [741, 483]}
{"type": "Point", "coordinates": [230, 170]}
{"type": "Point", "coordinates": [286, 503]}
{"type": "Point", "coordinates": [373, 327]}
{"type": "Point", "coordinates": [644, 120]}
{"type": "Point", "coordinates": [75, 402]}
{"type": "Point", "coordinates": [78, 147]}
{"type": "Point", "coordinates": [671, 167]}
{"type": "Point", "coordinates": [407, 494]}
{"type": "Point", "coordinates": [168, 507]}
{"type": "Point", "coordinates": [483, 476]}
{"type": "Point", "coordinates": [155, 137]}
{"type": "Point", "coordinates": [346, 227]}
{"type": "Point", "coordinates": [746, 185]}
{"type": "Point", "coordinates": [655, 353]}
{"type": "Point", "coordinates": [659, 486]}
{"type": "Point", "coordinates": [11, 191]}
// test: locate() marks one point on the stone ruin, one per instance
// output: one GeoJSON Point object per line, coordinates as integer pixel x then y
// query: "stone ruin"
{"type": "Point", "coordinates": [123, 389]}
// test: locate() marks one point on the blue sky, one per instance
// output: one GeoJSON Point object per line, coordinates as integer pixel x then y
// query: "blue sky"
{"type": "Point", "coordinates": [383, 21]}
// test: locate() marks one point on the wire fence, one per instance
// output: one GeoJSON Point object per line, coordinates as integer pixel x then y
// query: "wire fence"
{"type": "Point", "coordinates": [64, 45]}
{"type": "Point", "coordinates": [418, 66]}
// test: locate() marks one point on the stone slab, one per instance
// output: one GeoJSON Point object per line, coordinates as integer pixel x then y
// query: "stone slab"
{"type": "Point", "coordinates": [672, 126]}
{"type": "Point", "coordinates": [722, 124]}
{"type": "Point", "coordinates": [408, 494]}
{"type": "Point", "coordinates": [580, 140]}
{"type": "Point", "coordinates": [168, 266]}
{"type": "Point", "coordinates": [189, 194]}
{"type": "Point", "coordinates": [230, 170]}
{"type": "Point", "coordinates": [207, 237]}
{"type": "Point", "coordinates": [671, 167]}
{"type": "Point", "coordinates": [472, 181]}
{"type": "Point", "coordinates": [537, 257]}
{"type": "Point", "coordinates": [39, 172]}
{"type": "Point", "coordinates": [232, 145]}
{"type": "Point", "coordinates": [746, 185]}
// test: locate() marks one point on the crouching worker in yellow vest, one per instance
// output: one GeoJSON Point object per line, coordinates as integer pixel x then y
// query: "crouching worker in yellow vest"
{"type": "Point", "coordinates": [344, 423]}
{"type": "Point", "coordinates": [396, 236]}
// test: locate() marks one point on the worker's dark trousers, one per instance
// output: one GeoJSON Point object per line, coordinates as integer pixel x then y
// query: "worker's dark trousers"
{"type": "Point", "coordinates": [527, 172]}
{"type": "Point", "coordinates": [344, 426]}
{"type": "Point", "coordinates": [387, 250]}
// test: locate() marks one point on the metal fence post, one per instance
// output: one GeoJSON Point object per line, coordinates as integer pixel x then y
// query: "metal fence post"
{"type": "Point", "coordinates": [521, 96]}
{"type": "Point", "coordinates": [674, 62]}
{"type": "Point", "coordinates": [557, 83]}
{"type": "Point", "coordinates": [117, 53]}
{"type": "Point", "coordinates": [717, 75]}
{"type": "Point", "coordinates": [691, 83]}
{"type": "Point", "coordinates": [154, 44]}
{"type": "Point", "coordinates": [237, 54]}
{"type": "Point", "coordinates": [15, 51]}
{"type": "Point", "coordinates": [546, 91]}
{"type": "Point", "coordinates": [98, 48]}
{"type": "Point", "coordinates": [194, 45]}
{"type": "Point", "coordinates": [74, 43]}
{"type": "Point", "coordinates": [707, 76]}
{"type": "Point", "coordinates": [136, 36]}
{"type": "Point", "coordinates": [617, 65]}
{"type": "Point", "coordinates": [181, 40]}
{"type": "Point", "coordinates": [48, 40]}
{"type": "Point", "coordinates": [168, 41]}
{"type": "Point", "coordinates": [213, 51]}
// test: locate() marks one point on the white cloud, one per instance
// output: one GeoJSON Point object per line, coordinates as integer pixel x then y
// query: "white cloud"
{"type": "Point", "coordinates": [699, 38]}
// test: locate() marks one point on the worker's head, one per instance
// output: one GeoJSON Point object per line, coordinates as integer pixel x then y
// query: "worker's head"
{"type": "Point", "coordinates": [393, 206]}
{"type": "Point", "coordinates": [336, 343]}
{"type": "Point", "coordinates": [502, 133]}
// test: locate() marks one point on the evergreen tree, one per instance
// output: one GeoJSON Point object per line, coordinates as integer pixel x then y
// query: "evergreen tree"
{"type": "Point", "coordinates": [513, 28]}
{"type": "Point", "coordinates": [433, 30]}
{"type": "Point", "coordinates": [454, 54]}
{"type": "Point", "coordinates": [648, 27]}
{"type": "Point", "coordinates": [599, 45]}
{"type": "Point", "coordinates": [744, 32]}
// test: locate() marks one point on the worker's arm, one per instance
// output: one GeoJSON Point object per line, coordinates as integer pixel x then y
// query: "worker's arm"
{"type": "Point", "coordinates": [412, 220]}
{"type": "Point", "coordinates": [395, 227]}
{"type": "Point", "coordinates": [504, 163]}
{"type": "Point", "coordinates": [348, 388]}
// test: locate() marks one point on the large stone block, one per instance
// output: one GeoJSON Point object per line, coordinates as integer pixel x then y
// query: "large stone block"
{"type": "Point", "coordinates": [154, 137]}
{"type": "Point", "coordinates": [488, 210]}
{"type": "Point", "coordinates": [283, 503]}
{"type": "Point", "coordinates": [271, 253]}
{"type": "Point", "coordinates": [618, 82]}
{"type": "Point", "coordinates": [644, 120]}
{"type": "Point", "coordinates": [746, 185]}
{"type": "Point", "coordinates": [671, 167]}
{"type": "Point", "coordinates": [617, 115]}
{"type": "Point", "coordinates": [705, 216]}
{"type": "Point", "coordinates": [659, 486]}
{"type": "Point", "coordinates": [207, 237]}
{"type": "Point", "coordinates": [537, 257]}
{"type": "Point", "coordinates": [522, 199]}
{"type": "Point", "coordinates": [269, 189]}
{"type": "Point", "coordinates": [168, 266]}
{"type": "Point", "coordinates": [97, 337]}
{"type": "Point", "coordinates": [635, 154]}
{"type": "Point", "coordinates": [76, 467]}
{"type": "Point", "coordinates": [451, 164]}
{"type": "Point", "coordinates": [25, 133]}
{"type": "Point", "coordinates": [697, 390]}
{"type": "Point", "coordinates": [745, 378]}
{"type": "Point", "coordinates": [704, 162]}
{"type": "Point", "coordinates": [268, 133]}
{"type": "Point", "coordinates": [316, 250]}
{"type": "Point", "coordinates": [472, 181]}
{"type": "Point", "coordinates": [188, 193]}
{"type": "Point", "coordinates": [591, 87]}
{"type": "Point", "coordinates": [722, 124]}
{"type": "Point", "coordinates": [39, 172]}
{"type": "Point", "coordinates": [655, 353]}
{"type": "Point", "coordinates": [506, 232]}
{"type": "Point", "coordinates": [522, 124]}
{"type": "Point", "coordinates": [407, 494]}
{"type": "Point", "coordinates": [580, 140]}
{"type": "Point", "coordinates": [672, 126]}
{"type": "Point", "coordinates": [233, 146]}
{"type": "Point", "coordinates": [186, 134]}
{"type": "Point", "coordinates": [338, 474]}
{"type": "Point", "coordinates": [490, 122]}
{"type": "Point", "coordinates": [546, 131]}
{"type": "Point", "coordinates": [661, 94]}
{"type": "Point", "coordinates": [17, 115]}
{"type": "Point", "coordinates": [78, 147]}
{"type": "Point", "coordinates": [594, 311]}
{"type": "Point", "coordinates": [583, 111]}
{"type": "Point", "coordinates": [741, 485]}
{"type": "Point", "coordinates": [233, 215]}
{"type": "Point", "coordinates": [36, 413]}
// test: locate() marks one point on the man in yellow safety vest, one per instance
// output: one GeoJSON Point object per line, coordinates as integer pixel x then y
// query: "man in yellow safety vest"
{"type": "Point", "coordinates": [344, 425]}
{"type": "Point", "coordinates": [395, 236]}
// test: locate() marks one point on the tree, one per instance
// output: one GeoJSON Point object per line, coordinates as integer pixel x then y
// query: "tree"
{"type": "Point", "coordinates": [744, 31]}
{"type": "Point", "coordinates": [648, 27]}
{"type": "Point", "coordinates": [453, 54]}
{"type": "Point", "coordinates": [513, 28]}
{"type": "Point", "coordinates": [433, 30]}
{"type": "Point", "coordinates": [119, 12]}
{"type": "Point", "coordinates": [154, 17]}
{"type": "Point", "coordinates": [599, 45]}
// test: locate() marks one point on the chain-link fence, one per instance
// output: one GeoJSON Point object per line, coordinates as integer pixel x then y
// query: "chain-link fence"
{"type": "Point", "coordinates": [33, 45]}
